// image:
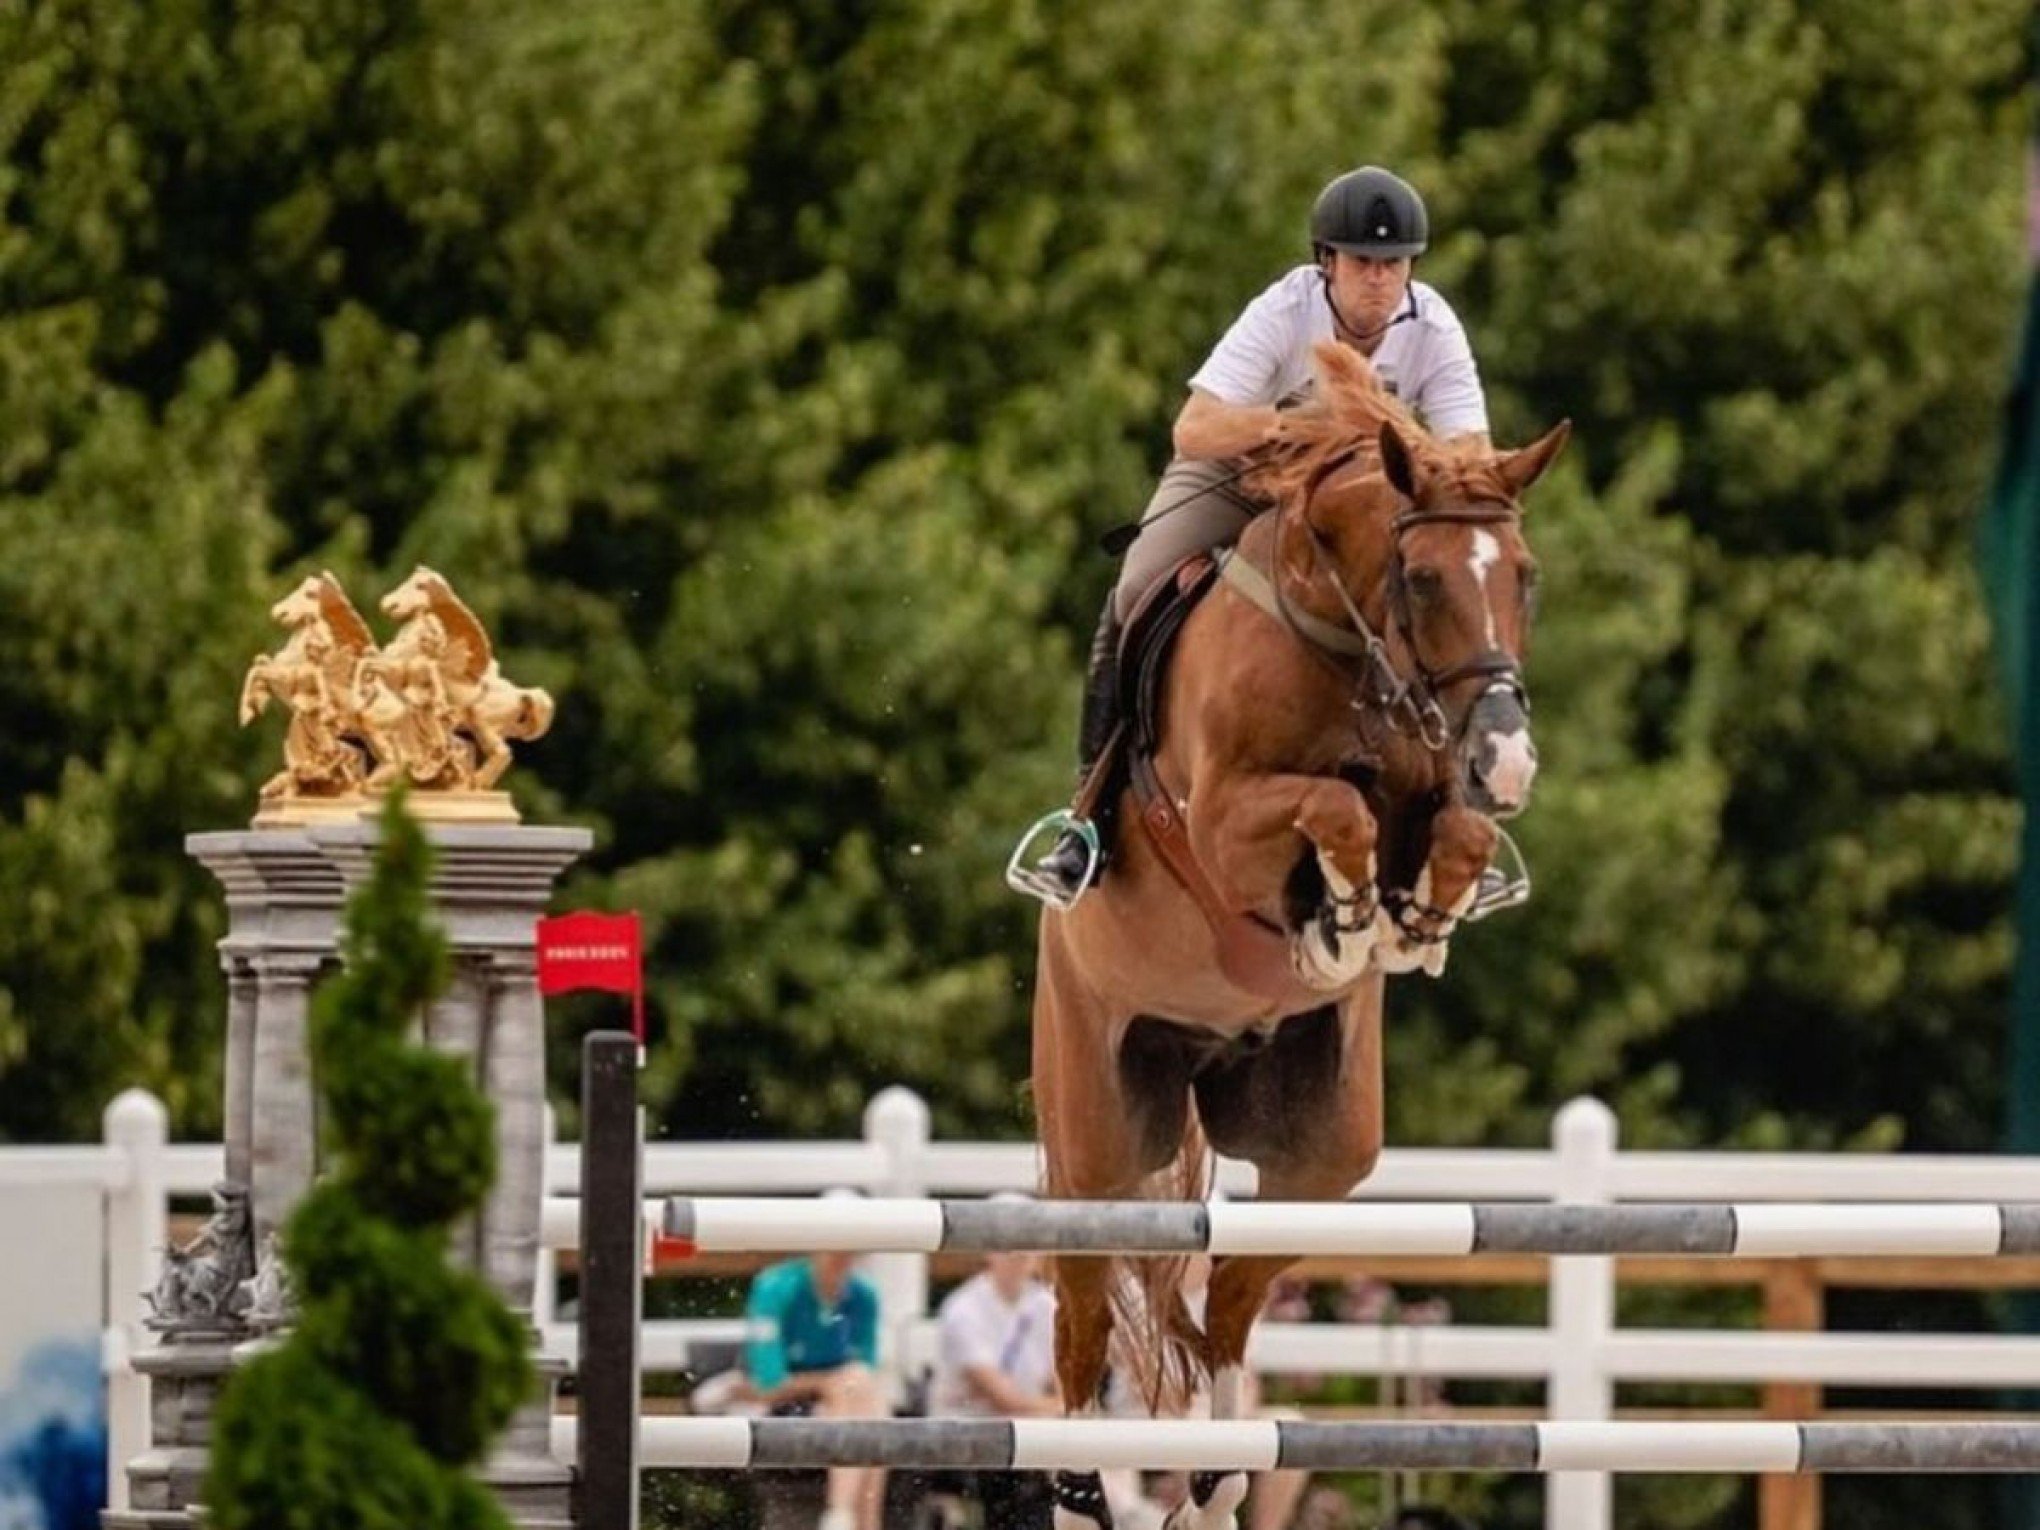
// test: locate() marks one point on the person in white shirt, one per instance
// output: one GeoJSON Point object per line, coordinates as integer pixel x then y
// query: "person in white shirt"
{"type": "Point", "coordinates": [996, 1359]}
{"type": "Point", "coordinates": [997, 1352]}
{"type": "Point", "coordinates": [1366, 230]}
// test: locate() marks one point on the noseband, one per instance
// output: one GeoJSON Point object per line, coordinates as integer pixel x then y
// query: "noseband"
{"type": "Point", "coordinates": [1409, 704]}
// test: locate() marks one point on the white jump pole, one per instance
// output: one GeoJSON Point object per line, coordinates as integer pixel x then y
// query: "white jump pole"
{"type": "Point", "coordinates": [1265, 1444]}
{"type": "Point", "coordinates": [763, 1225]}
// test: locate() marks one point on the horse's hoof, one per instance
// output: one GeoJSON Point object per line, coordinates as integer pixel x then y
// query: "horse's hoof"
{"type": "Point", "coordinates": [1080, 1502]}
{"type": "Point", "coordinates": [1398, 957]}
{"type": "Point", "coordinates": [1331, 959]}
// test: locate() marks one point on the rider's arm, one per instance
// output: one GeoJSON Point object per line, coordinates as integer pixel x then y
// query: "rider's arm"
{"type": "Point", "coordinates": [1208, 427]}
{"type": "Point", "coordinates": [1230, 410]}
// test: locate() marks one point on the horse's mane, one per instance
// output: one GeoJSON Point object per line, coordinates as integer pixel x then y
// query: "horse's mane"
{"type": "Point", "coordinates": [1347, 411]}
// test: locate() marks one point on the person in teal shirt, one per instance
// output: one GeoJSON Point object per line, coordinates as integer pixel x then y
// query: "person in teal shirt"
{"type": "Point", "coordinates": [813, 1349]}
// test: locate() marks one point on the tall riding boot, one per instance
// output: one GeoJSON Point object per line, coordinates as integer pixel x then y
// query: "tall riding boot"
{"type": "Point", "coordinates": [1067, 862]}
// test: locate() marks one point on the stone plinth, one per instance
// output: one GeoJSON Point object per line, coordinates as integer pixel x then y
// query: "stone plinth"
{"type": "Point", "coordinates": [166, 1480]}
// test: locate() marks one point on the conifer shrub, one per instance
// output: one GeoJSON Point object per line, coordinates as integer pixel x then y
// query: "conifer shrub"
{"type": "Point", "coordinates": [400, 1368]}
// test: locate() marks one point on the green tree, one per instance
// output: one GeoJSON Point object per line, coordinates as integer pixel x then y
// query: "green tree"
{"type": "Point", "coordinates": [763, 372]}
{"type": "Point", "coordinates": [1755, 245]}
{"type": "Point", "coordinates": [399, 1370]}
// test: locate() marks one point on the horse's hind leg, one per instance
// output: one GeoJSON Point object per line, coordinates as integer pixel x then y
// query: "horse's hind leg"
{"type": "Point", "coordinates": [1307, 1112]}
{"type": "Point", "coordinates": [1083, 1331]}
{"type": "Point", "coordinates": [1093, 1148]}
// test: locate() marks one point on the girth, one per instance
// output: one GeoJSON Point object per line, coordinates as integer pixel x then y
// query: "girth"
{"type": "Point", "coordinates": [1252, 952]}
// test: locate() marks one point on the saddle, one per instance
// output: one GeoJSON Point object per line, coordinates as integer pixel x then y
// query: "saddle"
{"type": "Point", "coordinates": [1252, 952]}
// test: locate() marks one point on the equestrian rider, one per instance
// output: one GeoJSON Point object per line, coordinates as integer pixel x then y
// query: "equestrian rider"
{"type": "Point", "coordinates": [1366, 230]}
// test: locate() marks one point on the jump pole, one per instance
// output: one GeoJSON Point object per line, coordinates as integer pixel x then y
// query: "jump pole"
{"type": "Point", "coordinates": [612, 1283]}
{"type": "Point", "coordinates": [1265, 1444]}
{"type": "Point", "coordinates": [763, 1225]}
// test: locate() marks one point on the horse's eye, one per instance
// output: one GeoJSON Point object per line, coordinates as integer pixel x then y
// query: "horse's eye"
{"type": "Point", "coordinates": [1426, 583]}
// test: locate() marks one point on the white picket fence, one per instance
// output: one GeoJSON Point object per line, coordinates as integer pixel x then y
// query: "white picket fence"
{"type": "Point", "coordinates": [1579, 1353]}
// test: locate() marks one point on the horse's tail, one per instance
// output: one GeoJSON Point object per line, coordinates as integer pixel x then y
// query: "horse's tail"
{"type": "Point", "coordinates": [1161, 1344]}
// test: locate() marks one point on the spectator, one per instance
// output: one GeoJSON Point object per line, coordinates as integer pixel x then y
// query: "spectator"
{"type": "Point", "coordinates": [997, 1360]}
{"type": "Point", "coordinates": [813, 1352]}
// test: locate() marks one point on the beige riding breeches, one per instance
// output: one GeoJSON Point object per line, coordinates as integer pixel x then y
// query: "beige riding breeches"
{"type": "Point", "coordinates": [1198, 505]}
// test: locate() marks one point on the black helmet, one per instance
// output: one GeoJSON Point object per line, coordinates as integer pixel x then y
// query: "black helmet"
{"type": "Point", "coordinates": [1370, 212]}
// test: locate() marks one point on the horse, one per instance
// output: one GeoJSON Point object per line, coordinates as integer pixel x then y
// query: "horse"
{"type": "Point", "coordinates": [442, 634]}
{"type": "Point", "coordinates": [1342, 719]}
{"type": "Point", "coordinates": [313, 675]}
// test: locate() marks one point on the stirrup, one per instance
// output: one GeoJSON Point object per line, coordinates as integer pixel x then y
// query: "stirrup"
{"type": "Point", "coordinates": [1505, 883]}
{"type": "Point", "coordinates": [1024, 877]}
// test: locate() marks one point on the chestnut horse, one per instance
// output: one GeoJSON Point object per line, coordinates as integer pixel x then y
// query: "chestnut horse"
{"type": "Point", "coordinates": [1342, 719]}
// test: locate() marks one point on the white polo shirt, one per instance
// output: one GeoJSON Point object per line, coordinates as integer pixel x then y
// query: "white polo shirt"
{"type": "Point", "coordinates": [979, 1327]}
{"type": "Point", "coordinates": [1424, 358]}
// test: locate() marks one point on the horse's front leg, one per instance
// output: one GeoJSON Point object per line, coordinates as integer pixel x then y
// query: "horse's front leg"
{"type": "Point", "coordinates": [1416, 931]}
{"type": "Point", "coordinates": [1245, 834]}
{"type": "Point", "coordinates": [255, 689]}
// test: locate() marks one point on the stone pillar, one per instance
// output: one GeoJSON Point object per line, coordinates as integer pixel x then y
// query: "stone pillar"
{"type": "Point", "coordinates": [286, 888]}
{"type": "Point", "coordinates": [243, 994]}
{"type": "Point", "coordinates": [283, 927]}
{"type": "Point", "coordinates": [514, 1076]}
{"type": "Point", "coordinates": [455, 1026]}
{"type": "Point", "coordinates": [283, 1119]}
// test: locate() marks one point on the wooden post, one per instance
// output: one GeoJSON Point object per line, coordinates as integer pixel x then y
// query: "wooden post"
{"type": "Point", "coordinates": [1793, 1302]}
{"type": "Point", "coordinates": [612, 1281]}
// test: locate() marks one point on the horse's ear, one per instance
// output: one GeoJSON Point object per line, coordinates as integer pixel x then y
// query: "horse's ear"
{"type": "Point", "coordinates": [1523, 467]}
{"type": "Point", "coordinates": [1395, 461]}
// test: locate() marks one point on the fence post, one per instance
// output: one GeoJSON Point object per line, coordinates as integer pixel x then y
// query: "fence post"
{"type": "Point", "coordinates": [545, 1289]}
{"type": "Point", "coordinates": [1583, 1137]}
{"type": "Point", "coordinates": [896, 1122]}
{"type": "Point", "coordinates": [612, 1281]}
{"type": "Point", "coordinates": [137, 1128]}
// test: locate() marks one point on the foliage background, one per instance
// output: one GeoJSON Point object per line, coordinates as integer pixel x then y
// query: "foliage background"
{"type": "Point", "coordinates": [763, 373]}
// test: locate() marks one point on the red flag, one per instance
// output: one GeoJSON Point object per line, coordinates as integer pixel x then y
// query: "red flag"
{"type": "Point", "coordinates": [603, 951]}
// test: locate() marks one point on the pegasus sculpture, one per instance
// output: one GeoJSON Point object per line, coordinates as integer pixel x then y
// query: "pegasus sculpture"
{"type": "Point", "coordinates": [431, 707]}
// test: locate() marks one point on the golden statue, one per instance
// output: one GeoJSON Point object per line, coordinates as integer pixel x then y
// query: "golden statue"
{"type": "Point", "coordinates": [465, 693]}
{"type": "Point", "coordinates": [314, 676]}
{"type": "Point", "coordinates": [431, 707]}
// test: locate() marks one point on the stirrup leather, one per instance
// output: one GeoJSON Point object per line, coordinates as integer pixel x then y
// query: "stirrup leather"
{"type": "Point", "coordinates": [1023, 876]}
{"type": "Point", "coordinates": [1505, 884]}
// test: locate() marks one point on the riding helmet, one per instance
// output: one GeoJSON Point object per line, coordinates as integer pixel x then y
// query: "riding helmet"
{"type": "Point", "coordinates": [1370, 212]}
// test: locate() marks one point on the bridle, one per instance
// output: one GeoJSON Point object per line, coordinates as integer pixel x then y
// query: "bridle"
{"type": "Point", "coordinates": [1409, 704]}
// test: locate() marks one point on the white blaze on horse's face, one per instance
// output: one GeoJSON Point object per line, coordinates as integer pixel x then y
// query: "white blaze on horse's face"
{"type": "Point", "coordinates": [1487, 552]}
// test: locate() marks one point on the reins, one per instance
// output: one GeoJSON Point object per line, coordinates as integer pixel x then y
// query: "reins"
{"type": "Point", "coordinates": [1409, 704]}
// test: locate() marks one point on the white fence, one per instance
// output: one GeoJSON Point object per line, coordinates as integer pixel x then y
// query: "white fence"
{"type": "Point", "coordinates": [1579, 1353]}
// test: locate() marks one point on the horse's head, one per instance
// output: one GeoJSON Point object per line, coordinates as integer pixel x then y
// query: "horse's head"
{"type": "Point", "coordinates": [1460, 591]}
{"type": "Point", "coordinates": [1412, 559]}
{"type": "Point", "coordinates": [416, 594]}
{"type": "Point", "coordinates": [302, 605]}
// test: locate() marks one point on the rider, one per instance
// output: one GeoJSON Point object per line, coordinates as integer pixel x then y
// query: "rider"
{"type": "Point", "coordinates": [1366, 230]}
